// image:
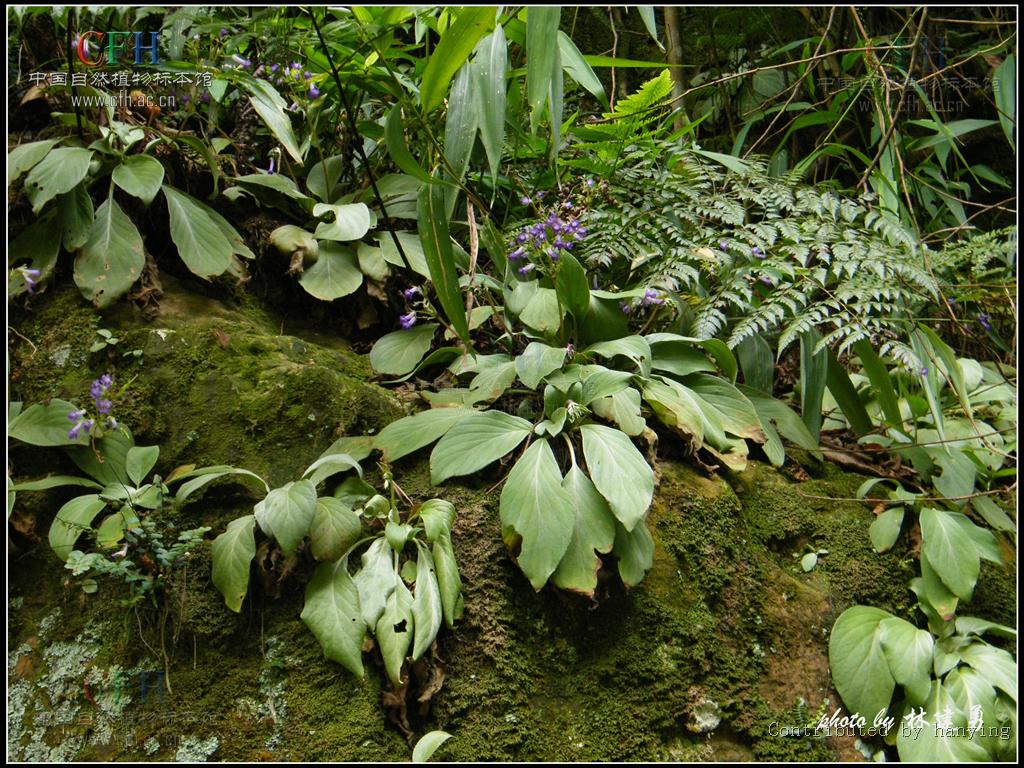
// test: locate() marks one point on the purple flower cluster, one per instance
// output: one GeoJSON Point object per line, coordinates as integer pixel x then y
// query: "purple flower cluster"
{"type": "Point", "coordinates": [98, 391]}
{"type": "Point", "coordinates": [288, 74]}
{"type": "Point", "coordinates": [408, 320]}
{"type": "Point", "coordinates": [986, 321]}
{"type": "Point", "coordinates": [651, 298]}
{"type": "Point", "coordinates": [547, 240]}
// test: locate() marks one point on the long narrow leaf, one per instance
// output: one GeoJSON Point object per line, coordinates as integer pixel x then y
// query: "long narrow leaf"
{"type": "Point", "coordinates": [451, 53]}
{"type": "Point", "coordinates": [437, 249]}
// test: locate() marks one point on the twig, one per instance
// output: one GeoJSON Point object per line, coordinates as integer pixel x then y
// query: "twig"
{"type": "Point", "coordinates": [1011, 489]}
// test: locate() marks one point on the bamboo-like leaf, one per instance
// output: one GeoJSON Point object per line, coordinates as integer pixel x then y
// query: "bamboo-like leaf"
{"type": "Point", "coordinates": [491, 65]}
{"type": "Point", "coordinates": [541, 50]}
{"type": "Point", "coordinates": [437, 250]}
{"type": "Point", "coordinates": [451, 53]}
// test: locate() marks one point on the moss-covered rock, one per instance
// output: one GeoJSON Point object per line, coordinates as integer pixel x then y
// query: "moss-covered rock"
{"type": "Point", "coordinates": [722, 644]}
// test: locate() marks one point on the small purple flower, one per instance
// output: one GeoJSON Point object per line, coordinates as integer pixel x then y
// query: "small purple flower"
{"type": "Point", "coordinates": [241, 61]}
{"type": "Point", "coordinates": [986, 321]}
{"type": "Point", "coordinates": [314, 92]}
{"type": "Point", "coordinates": [205, 97]}
{"type": "Point", "coordinates": [410, 293]}
{"type": "Point", "coordinates": [272, 166]}
{"type": "Point", "coordinates": [407, 321]}
{"type": "Point", "coordinates": [525, 200]}
{"type": "Point", "coordinates": [625, 307]}
{"type": "Point", "coordinates": [756, 252]}
{"type": "Point", "coordinates": [75, 415]}
{"type": "Point", "coordinates": [924, 370]}
{"type": "Point", "coordinates": [104, 406]}
{"type": "Point", "coordinates": [517, 254]}
{"type": "Point", "coordinates": [590, 182]}
{"type": "Point", "coordinates": [307, 75]}
{"type": "Point", "coordinates": [106, 380]}
{"type": "Point", "coordinates": [30, 276]}
{"type": "Point", "coordinates": [274, 67]}
{"type": "Point", "coordinates": [522, 237]}
{"type": "Point", "coordinates": [112, 422]}
{"type": "Point", "coordinates": [570, 350]}
{"type": "Point", "coordinates": [223, 32]}
{"type": "Point", "coordinates": [766, 280]}
{"type": "Point", "coordinates": [88, 424]}
{"type": "Point", "coordinates": [651, 298]}
{"type": "Point", "coordinates": [723, 245]}
{"type": "Point", "coordinates": [526, 269]}
{"type": "Point", "coordinates": [73, 432]}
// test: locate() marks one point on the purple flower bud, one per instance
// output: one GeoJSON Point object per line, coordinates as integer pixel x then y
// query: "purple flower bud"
{"type": "Point", "coordinates": [88, 424]}
{"type": "Point", "coordinates": [924, 370]}
{"type": "Point", "coordinates": [106, 380]}
{"type": "Point", "coordinates": [241, 61]}
{"type": "Point", "coordinates": [986, 321]}
{"type": "Point", "coordinates": [272, 166]}
{"type": "Point", "coordinates": [522, 237]}
{"type": "Point", "coordinates": [723, 245]}
{"type": "Point", "coordinates": [526, 269]}
{"type": "Point", "coordinates": [590, 182]}
{"type": "Point", "coordinates": [570, 350]}
{"type": "Point", "coordinates": [104, 406]}
{"type": "Point", "coordinates": [314, 92]}
{"type": "Point", "coordinates": [410, 293]}
{"type": "Point", "coordinates": [73, 432]}
{"type": "Point", "coordinates": [407, 321]}
{"type": "Point", "coordinates": [223, 32]}
{"type": "Point", "coordinates": [274, 67]}
{"type": "Point", "coordinates": [525, 200]}
{"type": "Point", "coordinates": [757, 252]}
{"type": "Point", "coordinates": [307, 75]}
{"type": "Point", "coordinates": [75, 415]}
{"type": "Point", "coordinates": [766, 280]}
{"type": "Point", "coordinates": [205, 97]}
{"type": "Point", "coordinates": [625, 307]}
{"type": "Point", "coordinates": [517, 254]}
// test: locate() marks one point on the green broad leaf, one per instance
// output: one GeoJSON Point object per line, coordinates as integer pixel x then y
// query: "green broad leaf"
{"type": "Point", "coordinates": [601, 382]}
{"type": "Point", "coordinates": [394, 138]}
{"type": "Point", "coordinates": [536, 508]}
{"type": "Point", "coordinates": [809, 561]}
{"type": "Point", "coordinates": [680, 358]}
{"type": "Point", "coordinates": [677, 409]}
{"type": "Point", "coordinates": [372, 263]}
{"type": "Point", "coordinates": [324, 178]}
{"type": "Point", "coordinates": [112, 257]}
{"type": "Point", "coordinates": [395, 629]}
{"type": "Point", "coordinates": [60, 171]}
{"type": "Point", "coordinates": [859, 667]}
{"type": "Point", "coordinates": [353, 491]}
{"type": "Point", "coordinates": [969, 625]}
{"type": "Point", "coordinates": [451, 52]}
{"type": "Point", "coordinates": [409, 434]}
{"type": "Point", "coordinates": [111, 531]}
{"type": "Point", "coordinates": [635, 348]}
{"type": "Point", "coordinates": [579, 70]}
{"type": "Point", "coordinates": [813, 377]}
{"type": "Point", "coordinates": [886, 529]}
{"type": "Point", "coordinates": [410, 244]}
{"type": "Point", "coordinates": [448, 580]}
{"type": "Point", "coordinates": [972, 693]}
{"type": "Point", "coordinates": [140, 176]}
{"type": "Point", "coordinates": [200, 478]}
{"type": "Point", "coordinates": [437, 250]}
{"type": "Point", "coordinates": [104, 460]}
{"type": "Point", "coordinates": [757, 363]}
{"type": "Point", "coordinates": [950, 551]}
{"type": "Point", "coordinates": [140, 461]}
{"type": "Point", "coordinates": [200, 241]}
{"type": "Point", "coordinates": [984, 541]}
{"type": "Point", "coordinates": [909, 653]}
{"type": "Point", "coordinates": [438, 517]}
{"type": "Point", "coordinates": [351, 221]}
{"type": "Point", "coordinates": [736, 413]}
{"type": "Point", "coordinates": [397, 534]}
{"type": "Point", "coordinates": [994, 664]}
{"type": "Point", "coordinates": [275, 190]}
{"type": "Point", "coordinates": [375, 580]}
{"type": "Point", "coordinates": [335, 274]}
{"type": "Point", "coordinates": [233, 552]}
{"type": "Point", "coordinates": [537, 361]}
{"type": "Point", "coordinates": [75, 214]}
{"type": "Point", "coordinates": [358, 447]}
{"type": "Point", "coordinates": [398, 352]}
{"type": "Point", "coordinates": [39, 245]}
{"type": "Point", "coordinates": [427, 612]}
{"type": "Point", "coordinates": [46, 425]}
{"type": "Point", "coordinates": [932, 592]}
{"type": "Point", "coordinates": [54, 481]}
{"type": "Point", "coordinates": [572, 287]}
{"type": "Point", "coordinates": [542, 312]}
{"type": "Point", "coordinates": [24, 157]}
{"type": "Point", "coordinates": [475, 442]}
{"type": "Point", "coordinates": [72, 520]}
{"type": "Point", "coordinates": [335, 528]}
{"type": "Point", "coordinates": [287, 513]}
{"type": "Point", "coordinates": [929, 744]}
{"type": "Point", "coordinates": [593, 532]}
{"type": "Point", "coordinates": [623, 409]}
{"type": "Point", "coordinates": [271, 108]}
{"type": "Point", "coordinates": [776, 415]}
{"type": "Point", "coordinates": [332, 613]}
{"type": "Point", "coordinates": [958, 473]}
{"type": "Point", "coordinates": [647, 16]}
{"type": "Point", "coordinates": [541, 53]}
{"type": "Point", "coordinates": [490, 66]}
{"type": "Point", "coordinates": [492, 382]}
{"type": "Point", "coordinates": [635, 552]}
{"type": "Point", "coordinates": [428, 745]}
{"type": "Point", "coordinates": [619, 471]}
